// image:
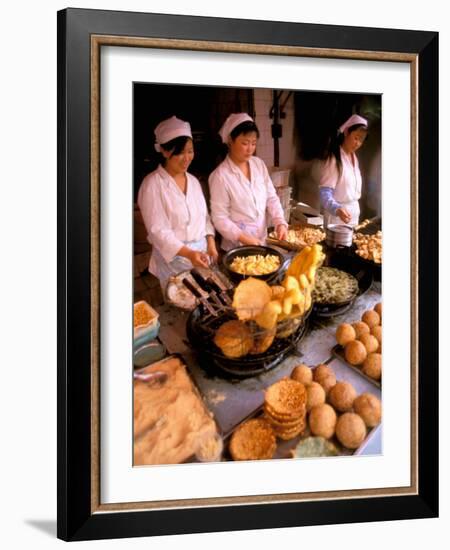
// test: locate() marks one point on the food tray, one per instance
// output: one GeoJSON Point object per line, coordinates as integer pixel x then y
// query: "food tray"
{"type": "Point", "coordinates": [362, 384]}
{"type": "Point", "coordinates": [158, 407]}
{"type": "Point", "coordinates": [271, 239]}
{"type": "Point", "coordinates": [338, 352]}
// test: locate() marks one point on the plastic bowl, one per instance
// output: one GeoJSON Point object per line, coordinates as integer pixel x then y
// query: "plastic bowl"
{"type": "Point", "coordinates": [244, 251]}
{"type": "Point", "coordinates": [148, 353]}
{"type": "Point", "coordinates": [150, 329]}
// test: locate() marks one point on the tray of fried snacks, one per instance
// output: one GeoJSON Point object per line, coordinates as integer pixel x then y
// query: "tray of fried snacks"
{"type": "Point", "coordinates": [320, 411]}
{"type": "Point", "coordinates": [369, 247]}
{"type": "Point", "coordinates": [171, 422]}
{"type": "Point", "coordinates": [298, 237]}
{"type": "Point", "coordinates": [359, 345]}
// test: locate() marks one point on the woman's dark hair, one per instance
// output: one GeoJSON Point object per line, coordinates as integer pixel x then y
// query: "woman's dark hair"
{"type": "Point", "coordinates": [336, 142]}
{"type": "Point", "coordinates": [244, 128]}
{"type": "Point", "coordinates": [176, 145]}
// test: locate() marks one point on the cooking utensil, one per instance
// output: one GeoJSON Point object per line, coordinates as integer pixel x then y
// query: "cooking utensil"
{"type": "Point", "coordinates": [212, 288]}
{"type": "Point", "coordinates": [221, 293]}
{"type": "Point", "coordinates": [198, 295]}
{"type": "Point", "coordinates": [158, 376]}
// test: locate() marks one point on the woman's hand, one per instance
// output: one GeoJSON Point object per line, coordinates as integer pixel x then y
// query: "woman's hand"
{"type": "Point", "coordinates": [198, 258]}
{"type": "Point", "coordinates": [281, 231]}
{"type": "Point", "coordinates": [343, 214]}
{"type": "Point", "coordinates": [249, 240]}
{"type": "Point", "coordinates": [212, 251]}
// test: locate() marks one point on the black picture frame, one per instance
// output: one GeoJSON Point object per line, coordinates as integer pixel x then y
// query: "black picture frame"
{"type": "Point", "coordinates": [79, 517]}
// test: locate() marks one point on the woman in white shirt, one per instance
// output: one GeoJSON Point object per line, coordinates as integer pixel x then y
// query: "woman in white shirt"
{"type": "Point", "coordinates": [241, 190]}
{"type": "Point", "coordinates": [173, 206]}
{"type": "Point", "coordinates": [339, 176]}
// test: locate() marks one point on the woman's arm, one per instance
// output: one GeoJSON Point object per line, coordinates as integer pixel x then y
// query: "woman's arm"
{"type": "Point", "coordinates": [327, 200]}
{"type": "Point", "coordinates": [333, 207]}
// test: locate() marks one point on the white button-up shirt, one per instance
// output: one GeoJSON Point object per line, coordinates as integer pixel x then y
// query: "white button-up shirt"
{"type": "Point", "coordinates": [241, 205]}
{"type": "Point", "coordinates": [171, 217]}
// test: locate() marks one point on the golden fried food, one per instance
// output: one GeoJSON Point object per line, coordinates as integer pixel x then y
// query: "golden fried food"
{"type": "Point", "coordinates": [256, 264]}
{"type": "Point", "coordinates": [351, 430]}
{"type": "Point", "coordinates": [286, 397]}
{"type": "Point", "coordinates": [379, 309]}
{"type": "Point", "coordinates": [370, 342]}
{"type": "Point", "coordinates": [341, 396]}
{"type": "Point", "coordinates": [325, 376]}
{"type": "Point", "coordinates": [322, 420]}
{"type": "Point", "coordinates": [262, 341]}
{"type": "Point", "coordinates": [360, 328]}
{"type": "Point", "coordinates": [253, 440]}
{"type": "Point", "coordinates": [372, 366]}
{"type": "Point", "coordinates": [250, 297]}
{"type": "Point", "coordinates": [369, 247]}
{"type": "Point", "coordinates": [234, 338]}
{"type": "Point", "coordinates": [377, 332]}
{"type": "Point", "coordinates": [368, 406]}
{"type": "Point", "coordinates": [277, 292]}
{"type": "Point", "coordinates": [302, 373]}
{"type": "Point", "coordinates": [355, 352]}
{"type": "Point", "coordinates": [345, 333]}
{"type": "Point", "coordinates": [371, 318]}
{"type": "Point", "coordinates": [302, 236]}
{"type": "Point", "coordinates": [290, 434]}
{"type": "Point", "coordinates": [315, 395]}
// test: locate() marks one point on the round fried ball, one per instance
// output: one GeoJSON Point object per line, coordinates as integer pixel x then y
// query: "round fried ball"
{"type": "Point", "coordinates": [351, 430]}
{"type": "Point", "coordinates": [377, 332]}
{"type": "Point", "coordinates": [370, 342]}
{"type": "Point", "coordinates": [355, 352]}
{"type": "Point", "coordinates": [303, 374]}
{"type": "Point", "coordinates": [372, 366]}
{"type": "Point", "coordinates": [345, 333]}
{"type": "Point", "coordinates": [325, 376]}
{"type": "Point", "coordinates": [378, 308]}
{"type": "Point", "coordinates": [360, 328]}
{"type": "Point", "coordinates": [368, 406]}
{"type": "Point", "coordinates": [315, 395]}
{"type": "Point", "coordinates": [371, 318]}
{"type": "Point", "coordinates": [341, 396]}
{"type": "Point", "coordinates": [322, 421]}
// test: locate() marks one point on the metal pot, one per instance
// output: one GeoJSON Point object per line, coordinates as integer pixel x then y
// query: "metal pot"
{"type": "Point", "coordinates": [339, 235]}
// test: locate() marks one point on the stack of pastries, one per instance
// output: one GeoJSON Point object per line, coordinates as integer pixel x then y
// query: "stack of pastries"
{"type": "Point", "coordinates": [285, 408]}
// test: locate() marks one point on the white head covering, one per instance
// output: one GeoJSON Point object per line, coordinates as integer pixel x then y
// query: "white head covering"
{"type": "Point", "coordinates": [230, 124]}
{"type": "Point", "coordinates": [169, 129]}
{"type": "Point", "coordinates": [354, 119]}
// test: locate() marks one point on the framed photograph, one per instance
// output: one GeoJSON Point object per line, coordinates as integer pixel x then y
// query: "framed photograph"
{"type": "Point", "coordinates": [158, 438]}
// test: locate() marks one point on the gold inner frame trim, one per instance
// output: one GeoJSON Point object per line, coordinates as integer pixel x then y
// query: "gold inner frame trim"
{"type": "Point", "coordinates": [97, 41]}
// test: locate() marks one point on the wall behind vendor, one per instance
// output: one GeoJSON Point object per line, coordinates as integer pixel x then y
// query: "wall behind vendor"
{"type": "Point", "coordinates": [306, 120]}
{"type": "Point", "coordinates": [317, 117]}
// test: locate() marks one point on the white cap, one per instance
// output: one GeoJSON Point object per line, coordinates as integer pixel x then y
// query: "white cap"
{"type": "Point", "coordinates": [354, 119]}
{"type": "Point", "coordinates": [169, 129]}
{"type": "Point", "coordinates": [230, 124]}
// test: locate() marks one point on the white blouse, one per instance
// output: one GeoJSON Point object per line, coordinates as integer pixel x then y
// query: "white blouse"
{"type": "Point", "coordinates": [239, 204]}
{"type": "Point", "coordinates": [171, 217]}
{"type": "Point", "coordinates": [347, 187]}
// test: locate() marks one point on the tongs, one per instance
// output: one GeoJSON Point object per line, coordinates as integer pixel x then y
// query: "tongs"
{"type": "Point", "coordinates": [198, 295]}
{"type": "Point", "coordinates": [212, 288]}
